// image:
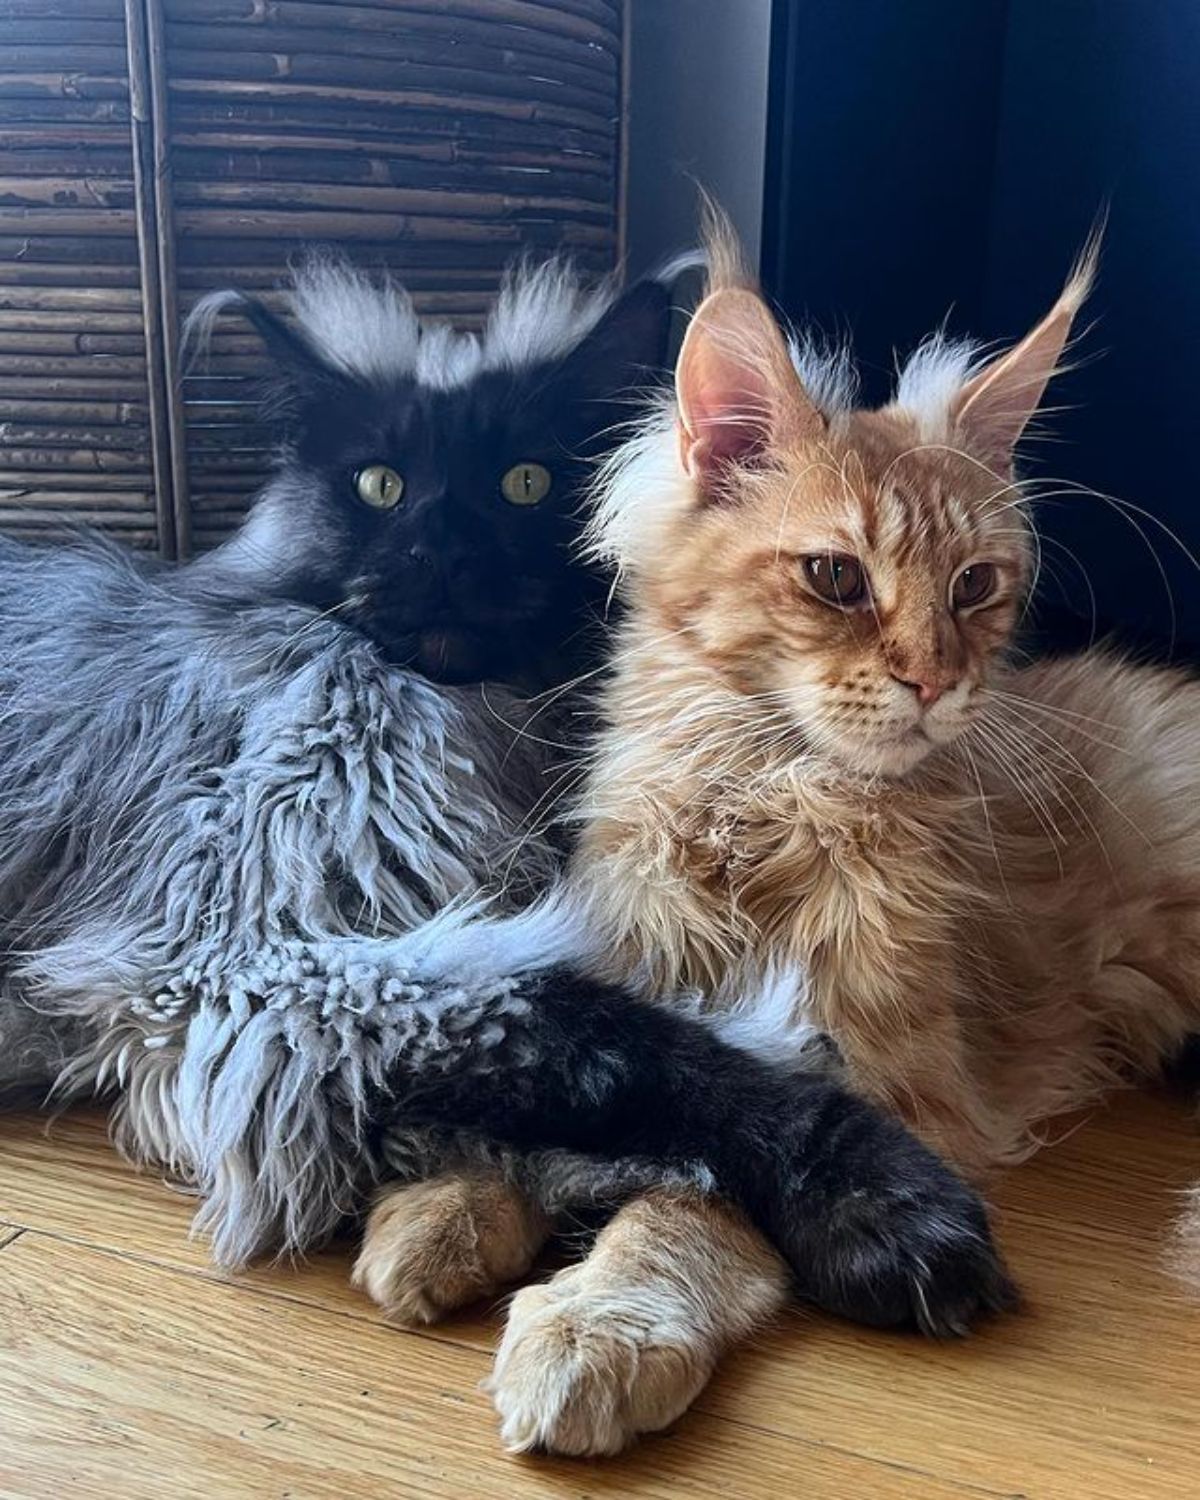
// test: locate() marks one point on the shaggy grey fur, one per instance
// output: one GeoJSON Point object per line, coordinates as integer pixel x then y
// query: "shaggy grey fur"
{"type": "Point", "coordinates": [238, 850]}
{"type": "Point", "coordinates": [218, 816]}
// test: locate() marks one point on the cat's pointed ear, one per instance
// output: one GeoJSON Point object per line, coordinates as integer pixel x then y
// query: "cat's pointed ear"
{"type": "Point", "coordinates": [991, 410]}
{"type": "Point", "coordinates": [628, 346]}
{"type": "Point", "coordinates": [737, 391]}
{"type": "Point", "coordinates": [300, 375]}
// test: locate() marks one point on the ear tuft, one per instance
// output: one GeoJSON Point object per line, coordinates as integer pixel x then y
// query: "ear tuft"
{"type": "Point", "coordinates": [723, 252]}
{"type": "Point", "coordinates": [991, 410]}
{"type": "Point", "coordinates": [1085, 270]}
{"type": "Point", "coordinates": [301, 375]}
{"type": "Point", "coordinates": [200, 323]}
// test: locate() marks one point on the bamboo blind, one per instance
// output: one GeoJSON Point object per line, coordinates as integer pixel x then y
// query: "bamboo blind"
{"type": "Point", "coordinates": [151, 150]}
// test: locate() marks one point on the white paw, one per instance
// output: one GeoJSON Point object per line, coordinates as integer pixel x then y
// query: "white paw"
{"type": "Point", "coordinates": [584, 1371]}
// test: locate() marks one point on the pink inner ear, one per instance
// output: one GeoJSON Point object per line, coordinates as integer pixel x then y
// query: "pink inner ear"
{"type": "Point", "coordinates": [725, 409]}
{"type": "Point", "coordinates": [726, 425]}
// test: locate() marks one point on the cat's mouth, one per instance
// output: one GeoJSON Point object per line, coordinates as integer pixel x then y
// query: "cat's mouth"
{"type": "Point", "coordinates": [899, 749]}
{"type": "Point", "coordinates": [483, 644]}
{"type": "Point", "coordinates": [450, 654]}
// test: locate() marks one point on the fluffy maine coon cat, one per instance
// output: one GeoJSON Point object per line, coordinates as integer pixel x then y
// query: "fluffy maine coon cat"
{"type": "Point", "coordinates": [240, 837]}
{"type": "Point", "coordinates": [819, 750]}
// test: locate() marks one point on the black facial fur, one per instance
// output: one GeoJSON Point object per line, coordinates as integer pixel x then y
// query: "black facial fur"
{"type": "Point", "coordinates": [455, 581]}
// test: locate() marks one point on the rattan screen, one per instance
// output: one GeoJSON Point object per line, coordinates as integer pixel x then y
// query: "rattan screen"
{"type": "Point", "coordinates": [153, 150]}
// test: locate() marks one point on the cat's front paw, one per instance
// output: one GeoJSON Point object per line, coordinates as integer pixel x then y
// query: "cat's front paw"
{"type": "Point", "coordinates": [430, 1247]}
{"type": "Point", "coordinates": [940, 1276]}
{"type": "Point", "coordinates": [583, 1371]}
{"type": "Point", "coordinates": [917, 1252]}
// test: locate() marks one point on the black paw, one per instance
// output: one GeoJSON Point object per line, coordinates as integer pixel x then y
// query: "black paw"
{"type": "Point", "coordinates": [928, 1263]}
{"type": "Point", "coordinates": [879, 1229]}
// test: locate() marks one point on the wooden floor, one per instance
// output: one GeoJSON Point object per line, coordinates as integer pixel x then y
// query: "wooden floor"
{"type": "Point", "coordinates": [129, 1369]}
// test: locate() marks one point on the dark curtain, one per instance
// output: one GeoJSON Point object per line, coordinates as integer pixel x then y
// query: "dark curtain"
{"type": "Point", "coordinates": [938, 158]}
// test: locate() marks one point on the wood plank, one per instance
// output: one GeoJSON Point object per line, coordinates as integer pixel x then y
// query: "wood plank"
{"type": "Point", "coordinates": [1092, 1390]}
{"type": "Point", "coordinates": [62, 1178]}
{"type": "Point", "coordinates": [118, 1379]}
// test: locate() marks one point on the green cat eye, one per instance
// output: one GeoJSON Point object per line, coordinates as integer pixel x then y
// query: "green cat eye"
{"type": "Point", "coordinates": [379, 487]}
{"type": "Point", "coordinates": [526, 484]}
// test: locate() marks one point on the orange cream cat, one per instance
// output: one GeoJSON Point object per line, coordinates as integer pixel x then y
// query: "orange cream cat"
{"type": "Point", "coordinates": [818, 752]}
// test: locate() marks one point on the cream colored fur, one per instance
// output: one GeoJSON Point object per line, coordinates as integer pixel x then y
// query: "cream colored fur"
{"type": "Point", "coordinates": [622, 1343]}
{"type": "Point", "coordinates": [434, 1246]}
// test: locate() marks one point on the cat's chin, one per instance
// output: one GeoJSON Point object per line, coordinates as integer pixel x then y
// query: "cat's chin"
{"type": "Point", "coordinates": [890, 757]}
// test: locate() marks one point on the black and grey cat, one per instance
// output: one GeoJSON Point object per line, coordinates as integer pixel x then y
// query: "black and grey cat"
{"type": "Point", "coordinates": [240, 839]}
{"type": "Point", "coordinates": [431, 483]}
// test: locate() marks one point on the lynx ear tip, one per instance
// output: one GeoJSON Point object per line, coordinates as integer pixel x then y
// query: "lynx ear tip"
{"type": "Point", "coordinates": [198, 326]}
{"type": "Point", "coordinates": [1085, 270]}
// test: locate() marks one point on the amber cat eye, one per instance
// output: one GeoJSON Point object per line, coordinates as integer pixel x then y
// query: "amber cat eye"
{"type": "Point", "coordinates": [836, 578]}
{"type": "Point", "coordinates": [973, 585]}
{"type": "Point", "coordinates": [526, 484]}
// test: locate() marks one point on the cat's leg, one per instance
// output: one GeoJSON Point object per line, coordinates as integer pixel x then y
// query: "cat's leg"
{"type": "Point", "coordinates": [622, 1343]}
{"type": "Point", "coordinates": [464, 1216]}
{"type": "Point", "coordinates": [430, 1247]}
{"type": "Point", "coordinates": [925, 1081]}
{"type": "Point", "coordinates": [921, 1069]}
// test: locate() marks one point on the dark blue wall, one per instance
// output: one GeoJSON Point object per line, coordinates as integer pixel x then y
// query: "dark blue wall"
{"type": "Point", "coordinates": [935, 155]}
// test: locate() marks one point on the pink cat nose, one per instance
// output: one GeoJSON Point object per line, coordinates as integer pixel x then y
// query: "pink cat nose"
{"type": "Point", "coordinates": [927, 692]}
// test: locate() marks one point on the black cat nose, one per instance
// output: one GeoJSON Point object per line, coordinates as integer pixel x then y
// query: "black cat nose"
{"type": "Point", "coordinates": [447, 560]}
